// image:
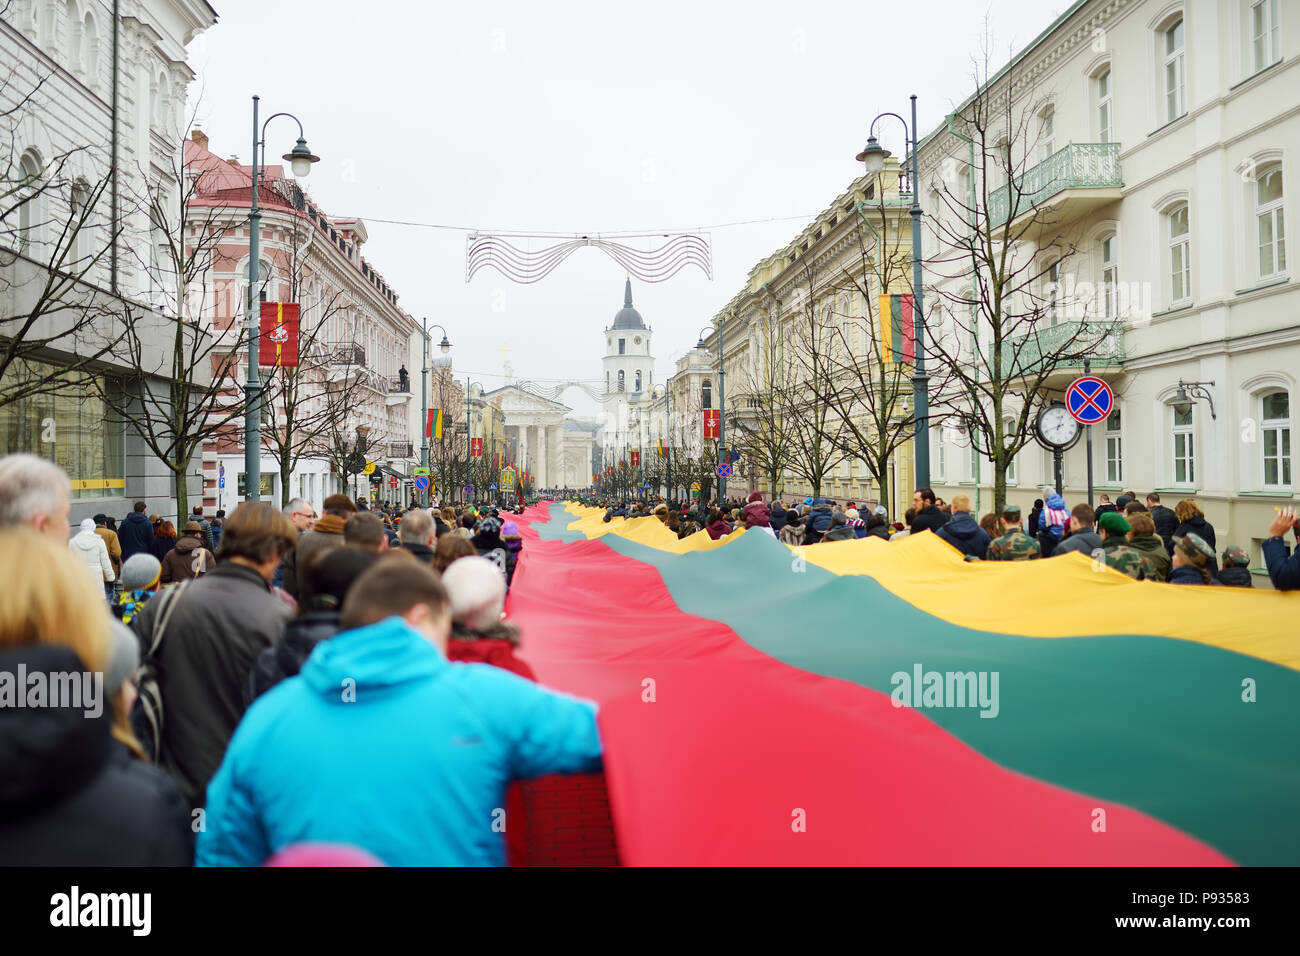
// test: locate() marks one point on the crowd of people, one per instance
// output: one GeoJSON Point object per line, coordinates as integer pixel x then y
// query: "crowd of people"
{"type": "Point", "coordinates": [285, 680]}
{"type": "Point", "coordinates": [1143, 539]}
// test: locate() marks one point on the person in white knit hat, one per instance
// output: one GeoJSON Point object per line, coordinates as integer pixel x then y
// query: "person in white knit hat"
{"type": "Point", "coordinates": [479, 632]}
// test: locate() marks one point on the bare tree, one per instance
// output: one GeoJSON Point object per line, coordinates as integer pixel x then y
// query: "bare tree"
{"type": "Point", "coordinates": [758, 418]}
{"type": "Point", "coordinates": [1000, 324]}
{"type": "Point", "coordinates": [54, 240]}
{"type": "Point", "coordinates": [305, 403]}
{"type": "Point", "coordinates": [814, 427]}
{"type": "Point", "coordinates": [176, 342]}
{"type": "Point", "coordinates": [867, 381]}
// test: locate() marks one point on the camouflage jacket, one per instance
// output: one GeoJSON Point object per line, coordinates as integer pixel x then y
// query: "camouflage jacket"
{"type": "Point", "coordinates": [1013, 546]}
{"type": "Point", "coordinates": [1129, 560]}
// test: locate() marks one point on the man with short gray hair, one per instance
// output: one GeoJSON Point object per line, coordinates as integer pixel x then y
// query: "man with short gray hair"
{"type": "Point", "coordinates": [34, 492]}
{"type": "Point", "coordinates": [416, 533]}
{"type": "Point", "coordinates": [301, 513]}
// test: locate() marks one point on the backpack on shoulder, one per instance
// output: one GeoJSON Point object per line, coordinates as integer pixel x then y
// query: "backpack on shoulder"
{"type": "Point", "coordinates": [147, 715]}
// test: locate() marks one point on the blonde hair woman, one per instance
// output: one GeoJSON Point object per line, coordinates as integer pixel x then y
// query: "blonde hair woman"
{"type": "Point", "coordinates": [73, 797]}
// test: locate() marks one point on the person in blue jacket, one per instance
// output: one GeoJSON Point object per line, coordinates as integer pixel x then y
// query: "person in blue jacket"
{"type": "Point", "coordinates": [1283, 570]}
{"type": "Point", "coordinates": [381, 743]}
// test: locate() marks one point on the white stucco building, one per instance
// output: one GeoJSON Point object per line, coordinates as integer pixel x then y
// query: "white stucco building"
{"type": "Point", "coordinates": [628, 373]}
{"type": "Point", "coordinates": [1164, 136]}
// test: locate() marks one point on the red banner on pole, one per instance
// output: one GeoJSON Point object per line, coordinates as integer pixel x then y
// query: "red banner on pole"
{"type": "Point", "coordinates": [278, 342]}
{"type": "Point", "coordinates": [476, 447]}
{"type": "Point", "coordinates": [636, 458]}
{"type": "Point", "coordinates": [712, 423]}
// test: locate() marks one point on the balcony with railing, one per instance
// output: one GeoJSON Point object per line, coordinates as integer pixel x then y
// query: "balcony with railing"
{"type": "Point", "coordinates": [1064, 347]}
{"type": "Point", "coordinates": [1071, 182]}
{"type": "Point", "coordinates": [399, 391]}
{"type": "Point", "coordinates": [349, 353]}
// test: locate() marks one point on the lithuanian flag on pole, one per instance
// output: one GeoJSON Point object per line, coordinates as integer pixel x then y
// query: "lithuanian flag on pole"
{"type": "Point", "coordinates": [433, 427]}
{"type": "Point", "coordinates": [897, 329]}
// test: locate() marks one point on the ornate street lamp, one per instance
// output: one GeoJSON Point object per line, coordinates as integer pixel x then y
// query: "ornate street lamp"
{"type": "Point", "coordinates": [873, 158]}
{"type": "Point", "coordinates": [301, 159]}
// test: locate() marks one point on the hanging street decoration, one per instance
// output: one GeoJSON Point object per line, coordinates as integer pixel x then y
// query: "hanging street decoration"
{"type": "Point", "coordinates": [525, 266]}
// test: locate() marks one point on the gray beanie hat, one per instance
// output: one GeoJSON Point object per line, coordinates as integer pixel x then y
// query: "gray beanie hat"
{"type": "Point", "coordinates": [123, 656]}
{"type": "Point", "coordinates": [140, 571]}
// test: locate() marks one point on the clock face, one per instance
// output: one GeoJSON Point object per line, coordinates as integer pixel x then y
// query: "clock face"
{"type": "Point", "coordinates": [637, 340]}
{"type": "Point", "coordinates": [1056, 426]}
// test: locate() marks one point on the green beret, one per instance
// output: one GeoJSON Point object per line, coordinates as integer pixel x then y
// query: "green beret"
{"type": "Point", "coordinates": [1114, 522]}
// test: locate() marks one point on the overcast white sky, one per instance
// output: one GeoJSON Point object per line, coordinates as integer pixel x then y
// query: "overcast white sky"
{"type": "Point", "coordinates": [583, 117]}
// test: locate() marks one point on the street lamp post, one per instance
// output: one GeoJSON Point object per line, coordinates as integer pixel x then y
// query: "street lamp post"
{"type": "Point", "coordinates": [873, 159]}
{"type": "Point", "coordinates": [445, 347]}
{"type": "Point", "coordinates": [300, 159]}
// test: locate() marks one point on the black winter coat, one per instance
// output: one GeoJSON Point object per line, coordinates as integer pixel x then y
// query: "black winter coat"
{"type": "Point", "coordinates": [135, 535]}
{"type": "Point", "coordinates": [285, 659]}
{"type": "Point", "coordinates": [70, 795]}
{"type": "Point", "coordinates": [929, 518]}
{"type": "Point", "coordinates": [1166, 523]}
{"type": "Point", "coordinates": [220, 626]}
{"type": "Point", "coordinates": [1234, 575]}
{"type": "Point", "coordinates": [1198, 525]}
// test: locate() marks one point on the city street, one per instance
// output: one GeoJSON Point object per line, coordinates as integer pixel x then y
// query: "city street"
{"type": "Point", "coordinates": [725, 435]}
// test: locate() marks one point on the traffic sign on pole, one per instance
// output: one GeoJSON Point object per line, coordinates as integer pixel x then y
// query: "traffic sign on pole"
{"type": "Point", "coordinates": [724, 470]}
{"type": "Point", "coordinates": [421, 482]}
{"type": "Point", "coordinates": [1089, 400]}
{"type": "Point", "coordinates": [369, 468]}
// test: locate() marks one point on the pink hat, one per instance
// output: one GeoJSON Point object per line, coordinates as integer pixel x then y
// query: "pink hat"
{"type": "Point", "coordinates": [322, 854]}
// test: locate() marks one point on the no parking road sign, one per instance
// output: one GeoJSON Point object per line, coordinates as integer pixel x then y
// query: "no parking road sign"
{"type": "Point", "coordinates": [1089, 400]}
{"type": "Point", "coordinates": [724, 471]}
{"type": "Point", "coordinates": [421, 482]}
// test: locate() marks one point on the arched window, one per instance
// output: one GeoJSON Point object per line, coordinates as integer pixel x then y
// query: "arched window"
{"type": "Point", "coordinates": [1107, 295]}
{"type": "Point", "coordinates": [73, 37]}
{"type": "Point", "coordinates": [638, 380]}
{"type": "Point", "coordinates": [29, 213]}
{"type": "Point", "coordinates": [90, 51]}
{"type": "Point", "coordinates": [620, 380]}
{"type": "Point", "coordinates": [1175, 72]}
{"type": "Point", "coordinates": [1270, 220]}
{"type": "Point", "coordinates": [1178, 231]}
{"type": "Point", "coordinates": [706, 394]}
{"type": "Point", "coordinates": [265, 275]}
{"type": "Point", "coordinates": [1105, 119]}
{"type": "Point", "coordinates": [1275, 439]}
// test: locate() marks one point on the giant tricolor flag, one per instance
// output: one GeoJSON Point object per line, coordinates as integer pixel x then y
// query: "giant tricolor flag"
{"type": "Point", "coordinates": [947, 727]}
{"type": "Point", "coordinates": [278, 343]}
{"type": "Point", "coordinates": [897, 329]}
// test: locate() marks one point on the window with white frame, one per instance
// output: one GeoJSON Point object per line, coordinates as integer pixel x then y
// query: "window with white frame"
{"type": "Point", "coordinates": [1114, 448]}
{"type": "Point", "coordinates": [1266, 38]}
{"type": "Point", "coordinates": [1179, 229]}
{"type": "Point", "coordinates": [1184, 447]}
{"type": "Point", "coordinates": [1270, 222]}
{"type": "Point", "coordinates": [1105, 124]}
{"type": "Point", "coordinates": [1275, 435]}
{"type": "Point", "coordinates": [1108, 290]}
{"type": "Point", "coordinates": [1046, 133]}
{"type": "Point", "coordinates": [1052, 292]}
{"type": "Point", "coordinates": [1175, 74]}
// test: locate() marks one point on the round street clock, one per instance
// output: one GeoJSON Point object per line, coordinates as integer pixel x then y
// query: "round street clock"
{"type": "Point", "coordinates": [1056, 427]}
